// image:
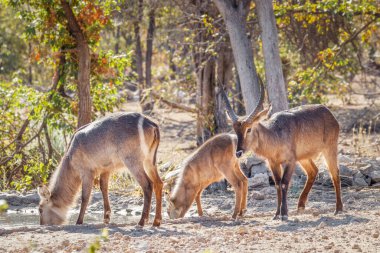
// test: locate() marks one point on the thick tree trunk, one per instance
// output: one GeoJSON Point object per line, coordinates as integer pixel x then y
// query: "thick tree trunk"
{"type": "Point", "coordinates": [238, 100]}
{"type": "Point", "coordinates": [148, 105]}
{"type": "Point", "coordinates": [205, 101]}
{"type": "Point", "coordinates": [273, 69]}
{"type": "Point", "coordinates": [235, 19]}
{"type": "Point", "coordinates": [224, 75]}
{"type": "Point", "coordinates": [85, 103]}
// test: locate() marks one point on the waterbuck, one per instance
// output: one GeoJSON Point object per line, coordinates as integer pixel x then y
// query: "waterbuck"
{"type": "Point", "coordinates": [109, 144]}
{"type": "Point", "coordinates": [210, 163]}
{"type": "Point", "coordinates": [296, 135]}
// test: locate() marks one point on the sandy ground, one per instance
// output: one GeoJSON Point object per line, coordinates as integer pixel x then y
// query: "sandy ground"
{"type": "Point", "coordinates": [317, 230]}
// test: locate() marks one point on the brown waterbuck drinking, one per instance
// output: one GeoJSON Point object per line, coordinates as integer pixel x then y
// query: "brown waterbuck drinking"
{"type": "Point", "coordinates": [287, 137]}
{"type": "Point", "coordinates": [112, 143]}
{"type": "Point", "coordinates": [210, 163]}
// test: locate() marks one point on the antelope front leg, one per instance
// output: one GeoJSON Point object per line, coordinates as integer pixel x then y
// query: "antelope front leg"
{"type": "Point", "coordinates": [276, 171]}
{"type": "Point", "coordinates": [288, 172]}
{"type": "Point", "coordinates": [104, 178]}
{"type": "Point", "coordinates": [87, 183]}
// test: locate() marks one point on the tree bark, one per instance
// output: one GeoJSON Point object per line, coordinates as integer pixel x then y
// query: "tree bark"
{"type": "Point", "coordinates": [234, 16]}
{"type": "Point", "coordinates": [148, 106]}
{"type": "Point", "coordinates": [273, 68]}
{"type": "Point", "coordinates": [224, 75]}
{"type": "Point", "coordinates": [117, 37]}
{"type": "Point", "coordinates": [85, 103]}
{"type": "Point", "coordinates": [138, 50]}
{"type": "Point", "coordinates": [205, 100]}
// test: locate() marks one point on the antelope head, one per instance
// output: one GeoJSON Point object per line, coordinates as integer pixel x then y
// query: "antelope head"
{"type": "Point", "coordinates": [246, 127]}
{"type": "Point", "coordinates": [49, 214]}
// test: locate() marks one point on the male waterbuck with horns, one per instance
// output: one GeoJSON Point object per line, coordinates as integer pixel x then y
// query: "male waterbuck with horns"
{"type": "Point", "coordinates": [114, 142]}
{"type": "Point", "coordinates": [287, 137]}
{"type": "Point", "coordinates": [210, 163]}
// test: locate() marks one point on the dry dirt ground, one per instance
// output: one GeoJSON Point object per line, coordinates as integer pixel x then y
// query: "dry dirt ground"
{"type": "Point", "coordinates": [317, 230]}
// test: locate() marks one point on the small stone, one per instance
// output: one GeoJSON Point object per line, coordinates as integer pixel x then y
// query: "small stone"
{"type": "Point", "coordinates": [322, 225]}
{"type": "Point", "coordinates": [117, 235]}
{"type": "Point", "coordinates": [375, 234]}
{"type": "Point", "coordinates": [66, 243]}
{"type": "Point", "coordinates": [359, 180]}
{"type": "Point", "coordinates": [268, 191]}
{"type": "Point", "coordinates": [356, 246]}
{"type": "Point", "coordinates": [259, 180]}
{"type": "Point", "coordinates": [315, 213]}
{"type": "Point", "coordinates": [258, 195]}
{"type": "Point", "coordinates": [174, 240]}
{"type": "Point", "coordinates": [375, 176]}
{"type": "Point", "coordinates": [242, 230]}
{"type": "Point", "coordinates": [226, 206]}
{"type": "Point", "coordinates": [325, 237]}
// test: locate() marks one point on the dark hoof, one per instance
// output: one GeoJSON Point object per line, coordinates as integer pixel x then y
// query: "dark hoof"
{"type": "Point", "coordinates": [276, 217]}
{"type": "Point", "coordinates": [242, 212]}
{"type": "Point", "coordinates": [156, 223]}
{"type": "Point", "coordinates": [141, 223]}
{"type": "Point", "coordinates": [284, 217]}
{"type": "Point", "coordinates": [338, 212]}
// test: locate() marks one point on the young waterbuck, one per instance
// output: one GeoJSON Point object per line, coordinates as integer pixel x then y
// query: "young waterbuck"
{"type": "Point", "coordinates": [112, 143]}
{"type": "Point", "coordinates": [210, 163]}
{"type": "Point", "coordinates": [287, 137]}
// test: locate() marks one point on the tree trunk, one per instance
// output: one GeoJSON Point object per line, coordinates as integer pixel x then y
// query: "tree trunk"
{"type": "Point", "coordinates": [238, 98]}
{"type": "Point", "coordinates": [117, 38]}
{"type": "Point", "coordinates": [85, 103]}
{"type": "Point", "coordinates": [273, 68]}
{"type": "Point", "coordinates": [235, 20]}
{"type": "Point", "coordinates": [205, 101]}
{"type": "Point", "coordinates": [148, 106]}
{"type": "Point", "coordinates": [224, 75]}
{"type": "Point", "coordinates": [138, 50]}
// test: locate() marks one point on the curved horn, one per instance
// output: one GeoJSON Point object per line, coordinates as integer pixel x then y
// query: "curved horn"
{"type": "Point", "coordinates": [229, 109]}
{"type": "Point", "coordinates": [259, 103]}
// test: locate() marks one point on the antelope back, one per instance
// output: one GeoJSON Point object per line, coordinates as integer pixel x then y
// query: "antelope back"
{"type": "Point", "coordinates": [302, 132]}
{"type": "Point", "coordinates": [108, 142]}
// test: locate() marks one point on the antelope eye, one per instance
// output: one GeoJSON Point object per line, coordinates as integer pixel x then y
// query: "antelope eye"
{"type": "Point", "coordinates": [249, 130]}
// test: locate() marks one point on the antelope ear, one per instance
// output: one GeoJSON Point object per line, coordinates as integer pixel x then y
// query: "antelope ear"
{"type": "Point", "coordinates": [44, 192]}
{"type": "Point", "coordinates": [263, 115]}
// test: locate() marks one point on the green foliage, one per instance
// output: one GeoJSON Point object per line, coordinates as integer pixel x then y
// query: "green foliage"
{"type": "Point", "coordinates": [331, 37]}
{"type": "Point", "coordinates": [3, 205]}
{"type": "Point", "coordinates": [95, 246]}
{"type": "Point", "coordinates": [36, 124]}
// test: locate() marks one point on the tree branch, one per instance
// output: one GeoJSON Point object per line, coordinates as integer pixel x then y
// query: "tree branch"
{"type": "Point", "coordinates": [174, 105]}
{"type": "Point", "coordinates": [72, 23]}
